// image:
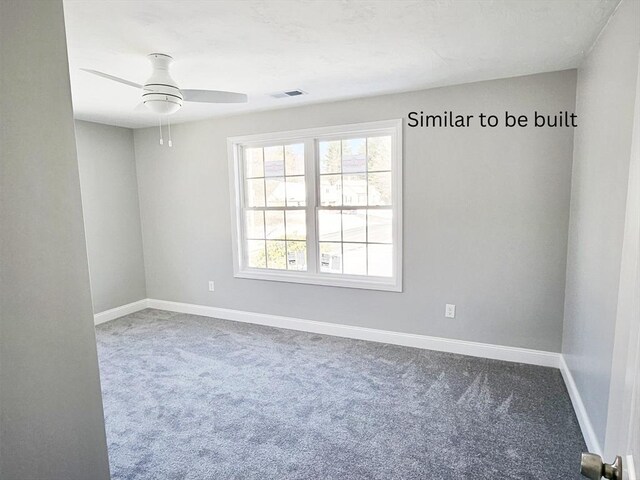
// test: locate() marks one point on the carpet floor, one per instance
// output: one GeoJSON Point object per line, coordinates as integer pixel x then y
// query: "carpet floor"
{"type": "Point", "coordinates": [194, 398]}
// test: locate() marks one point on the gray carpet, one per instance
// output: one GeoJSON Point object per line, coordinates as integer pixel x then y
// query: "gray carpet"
{"type": "Point", "coordinates": [188, 397]}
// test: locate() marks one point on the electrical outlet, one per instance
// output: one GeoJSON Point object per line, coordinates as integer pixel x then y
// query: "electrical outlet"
{"type": "Point", "coordinates": [450, 311]}
{"type": "Point", "coordinates": [212, 286]}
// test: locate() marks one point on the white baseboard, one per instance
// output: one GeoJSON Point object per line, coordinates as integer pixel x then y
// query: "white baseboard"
{"type": "Point", "coordinates": [593, 445]}
{"type": "Point", "coordinates": [121, 311]}
{"type": "Point", "coordinates": [497, 352]}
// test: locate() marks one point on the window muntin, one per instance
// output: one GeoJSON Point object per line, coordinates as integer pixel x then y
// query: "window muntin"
{"type": "Point", "coordinates": [355, 215]}
{"type": "Point", "coordinates": [320, 206]}
{"type": "Point", "coordinates": [274, 207]}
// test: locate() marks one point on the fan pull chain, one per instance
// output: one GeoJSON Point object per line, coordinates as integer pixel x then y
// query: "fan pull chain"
{"type": "Point", "coordinates": [160, 124]}
{"type": "Point", "coordinates": [169, 127]}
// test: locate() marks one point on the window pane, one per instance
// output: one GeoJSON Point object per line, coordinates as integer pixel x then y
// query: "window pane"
{"type": "Point", "coordinates": [379, 226]}
{"type": "Point", "coordinates": [380, 260]}
{"type": "Point", "coordinates": [274, 161]}
{"type": "Point", "coordinates": [275, 192]}
{"type": "Point", "coordinates": [274, 220]}
{"type": "Point", "coordinates": [331, 190]}
{"type": "Point", "coordinates": [353, 155]}
{"type": "Point", "coordinates": [296, 255]}
{"type": "Point", "coordinates": [255, 193]}
{"type": "Point", "coordinates": [296, 192]}
{"type": "Point", "coordinates": [253, 162]}
{"type": "Point", "coordinates": [276, 255]}
{"type": "Point", "coordinates": [379, 153]}
{"type": "Point", "coordinates": [294, 159]}
{"type": "Point", "coordinates": [296, 225]}
{"type": "Point", "coordinates": [355, 258]}
{"type": "Point", "coordinates": [380, 188]}
{"type": "Point", "coordinates": [331, 257]}
{"type": "Point", "coordinates": [354, 190]}
{"type": "Point", "coordinates": [354, 227]}
{"type": "Point", "coordinates": [254, 224]}
{"type": "Point", "coordinates": [329, 225]}
{"type": "Point", "coordinates": [329, 153]}
{"type": "Point", "coordinates": [255, 254]}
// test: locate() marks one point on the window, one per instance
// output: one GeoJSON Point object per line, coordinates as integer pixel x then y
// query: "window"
{"type": "Point", "coordinates": [320, 206]}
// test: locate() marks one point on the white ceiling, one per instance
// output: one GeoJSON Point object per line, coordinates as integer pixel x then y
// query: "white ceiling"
{"type": "Point", "coordinates": [333, 49]}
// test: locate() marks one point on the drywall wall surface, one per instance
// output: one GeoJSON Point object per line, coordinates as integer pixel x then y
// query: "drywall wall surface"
{"type": "Point", "coordinates": [51, 419]}
{"type": "Point", "coordinates": [111, 214]}
{"type": "Point", "coordinates": [485, 216]}
{"type": "Point", "coordinates": [606, 91]}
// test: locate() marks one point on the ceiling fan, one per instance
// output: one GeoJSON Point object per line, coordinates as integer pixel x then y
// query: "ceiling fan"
{"type": "Point", "coordinates": [161, 94]}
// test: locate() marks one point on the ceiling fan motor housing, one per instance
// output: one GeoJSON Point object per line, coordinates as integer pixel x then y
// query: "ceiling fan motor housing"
{"type": "Point", "coordinates": [161, 94]}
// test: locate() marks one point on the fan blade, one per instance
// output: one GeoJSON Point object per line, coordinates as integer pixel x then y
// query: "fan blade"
{"type": "Point", "coordinates": [213, 96]}
{"type": "Point", "coordinates": [111, 77]}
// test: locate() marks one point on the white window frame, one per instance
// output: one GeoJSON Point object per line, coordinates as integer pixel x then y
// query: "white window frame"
{"type": "Point", "coordinates": [311, 137]}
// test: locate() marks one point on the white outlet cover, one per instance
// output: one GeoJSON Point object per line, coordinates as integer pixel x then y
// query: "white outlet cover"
{"type": "Point", "coordinates": [212, 286]}
{"type": "Point", "coordinates": [450, 311]}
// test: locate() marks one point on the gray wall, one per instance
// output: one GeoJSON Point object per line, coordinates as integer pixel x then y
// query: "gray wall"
{"type": "Point", "coordinates": [606, 92]}
{"type": "Point", "coordinates": [111, 214]}
{"type": "Point", "coordinates": [51, 420]}
{"type": "Point", "coordinates": [485, 212]}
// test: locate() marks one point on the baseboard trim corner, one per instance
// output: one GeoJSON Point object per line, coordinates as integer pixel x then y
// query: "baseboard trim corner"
{"type": "Point", "coordinates": [589, 434]}
{"type": "Point", "coordinates": [120, 311]}
{"type": "Point", "coordinates": [475, 349]}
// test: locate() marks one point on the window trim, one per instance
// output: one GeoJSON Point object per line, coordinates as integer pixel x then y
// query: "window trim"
{"type": "Point", "coordinates": [310, 137]}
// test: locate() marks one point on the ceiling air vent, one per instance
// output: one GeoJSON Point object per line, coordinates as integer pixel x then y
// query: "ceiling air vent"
{"type": "Point", "coordinates": [288, 93]}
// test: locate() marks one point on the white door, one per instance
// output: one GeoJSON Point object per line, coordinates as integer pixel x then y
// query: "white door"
{"type": "Point", "coordinates": [623, 421]}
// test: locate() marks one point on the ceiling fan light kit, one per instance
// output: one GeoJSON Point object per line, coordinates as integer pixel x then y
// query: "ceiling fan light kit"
{"type": "Point", "coordinates": [161, 93]}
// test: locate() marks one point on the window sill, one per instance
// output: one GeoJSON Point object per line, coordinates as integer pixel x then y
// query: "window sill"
{"type": "Point", "coordinates": [328, 280]}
